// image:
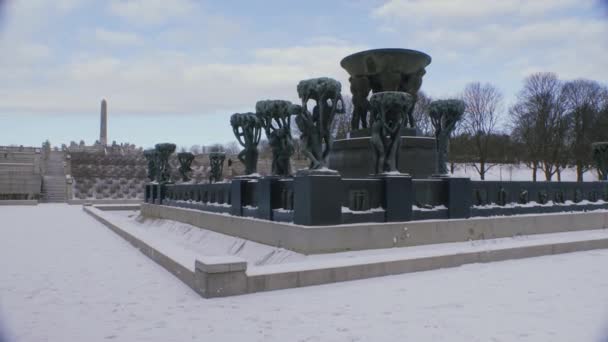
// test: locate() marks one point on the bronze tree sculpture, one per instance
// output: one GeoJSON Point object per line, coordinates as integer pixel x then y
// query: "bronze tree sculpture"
{"type": "Point", "coordinates": [389, 114]}
{"type": "Point", "coordinates": [445, 114]}
{"type": "Point", "coordinates": [275, 117]}
{"type": "Point", "coordinates": [316, 127]}
{"type": "Point", "coordinates": [163, 167]}
{"type": "Point", "coordinates": [247, 129]}
{"type": "Point", "coordinates": [185, 162]}
{"type": "Point", "coordinates": [216, 161]}
{"type": "Point", "coordinates": [151, 157]}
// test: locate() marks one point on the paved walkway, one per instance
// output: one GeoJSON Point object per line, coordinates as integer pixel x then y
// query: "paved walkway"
{"type": "Point", "coordinates": [65, 277]}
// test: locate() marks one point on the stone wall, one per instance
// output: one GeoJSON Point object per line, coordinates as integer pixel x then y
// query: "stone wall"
{"type": "Point", "coordinates": [20, 177]}
{"type": "Point", "coordinates": [102, 175]}
{"type": "Point", "coordinates": [120, 174]}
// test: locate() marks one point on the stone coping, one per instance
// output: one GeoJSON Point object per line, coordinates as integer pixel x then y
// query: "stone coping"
{"type": "Point", "coordinates": [18, 202]}
{"type": "Point", "coordinates": [363, 142]}
{"type": "Point", "coordinates": [103, 201]}
{"type": "Point", "coordinates": [362, 236]}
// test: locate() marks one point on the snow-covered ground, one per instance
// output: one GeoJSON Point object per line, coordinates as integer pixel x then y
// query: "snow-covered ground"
{"type": "Point", "coordinates": [66, 277]}
{"type": "Point", "coordinates": [519, 172]}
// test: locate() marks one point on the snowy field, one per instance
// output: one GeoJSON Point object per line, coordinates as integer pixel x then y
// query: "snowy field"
{"type": "Point", "coordinates": [66, 277]}
{"type": "Point", "coordinates": [519, 172]}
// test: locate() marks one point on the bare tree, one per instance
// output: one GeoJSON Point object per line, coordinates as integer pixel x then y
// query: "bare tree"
{"type": "Point", "coordinates": [583, 100]}
{"type": "Point", "coordinates": [523, 132]}
{"type": "Point", "coordinates": [483, 103]}
{"type": "Point", "coordinates": [421, 114]}
{"type": "Point", "coordinates": [195, 149]}
{"type": "Point", "coordinates": [214, 148]}
{"type": "Point", "coordinates": [600, 129]}
{"type": "Point", "coordinates": [232, 148]}
{"type": "Point", "coordinates": [540, 121]}
{"type": "Point", "coordinates": [341, 126]}
{"type": "Point", "coordinates": [298, 146]}
{"type": "Point", "coordinates": [265, 149]}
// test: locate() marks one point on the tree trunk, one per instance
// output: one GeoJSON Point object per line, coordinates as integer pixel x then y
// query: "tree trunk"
{"type": "Point", "coordinates": [579, 171]}
{"type": "Point", "coordinates": [559, 174]}
{"type": "Point", "coordinates": [534, 168]}
{"type": "Point", "coordinates": [482, 170]}
{"type": "Point", "coordinates": [548, 174]}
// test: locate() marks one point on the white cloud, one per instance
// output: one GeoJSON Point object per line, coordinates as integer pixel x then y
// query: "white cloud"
{"type": "Point", "coordinates": [45, 5]}
{"type": "Point", "coordinates": [193, 62]}
{"type": "Point", "coordinates": [499, 41]}
{"type": "Point", "coordinates": [452, 10]}
{"type": "Point", "coordinates": [93, 68]}
{"type": "Point", "coordinates": [556, 33]}
{"type": "Point", "coordinates": [174, 82]}
{"type": "Point", "coordinates": [151, 12]}
{"type": "Point", "coordinates": [209, 30]}
{"type": "Point", "coordinates": [117, 37]}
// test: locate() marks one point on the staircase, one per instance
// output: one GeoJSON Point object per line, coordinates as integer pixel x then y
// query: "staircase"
{"type": "Point", "coordinates": [53, 179]}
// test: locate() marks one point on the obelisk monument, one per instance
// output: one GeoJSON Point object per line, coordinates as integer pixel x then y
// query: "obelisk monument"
{"type": "Point", "coordinates": [103, 130]}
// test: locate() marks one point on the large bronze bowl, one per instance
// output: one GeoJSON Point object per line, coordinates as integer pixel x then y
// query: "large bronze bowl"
{"type": "Point", "coordinates": [377, 61]}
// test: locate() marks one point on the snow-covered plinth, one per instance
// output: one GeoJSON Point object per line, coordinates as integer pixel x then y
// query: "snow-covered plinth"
{"type": "Point", "coordinates": [362, 236]}
{"type": "Point", "coordinates": [226, 274]}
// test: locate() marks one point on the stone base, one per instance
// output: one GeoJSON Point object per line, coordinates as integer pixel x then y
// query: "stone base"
{"type": "Point", "coordinates": [353, 237]}
{"type": "Point", "coordinates": [354, 157]}
{"type": "Point", "coordinates": [317, 199]}
{"type": "Point", "coordinates": [365, 132]}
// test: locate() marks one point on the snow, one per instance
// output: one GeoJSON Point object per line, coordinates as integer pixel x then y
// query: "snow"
{"type": "Point", "coordinates": [184, 242]}
{"type": "Point", "coordinates": [323, 169]}
{"type": "Point", "coordinates": [393, 173]}
{"type": "Point", "coordinates": [518, 172]}
{"type": "Point", "coordinates": [536, 204]}
{"type": "Point", "coordinates": [211, 204]}
{"type": "Point", "coordinates": [66, 277]}
{"type": "Point", "coordinates": [435, 208]}
{"type": "Point", "coordinates": [369, 211]}
{"type": "Point", "coordinates": [254, 175]}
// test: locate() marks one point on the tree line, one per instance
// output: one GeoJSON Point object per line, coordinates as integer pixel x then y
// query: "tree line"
{"type": "Point", "coordinates": [549, 127]}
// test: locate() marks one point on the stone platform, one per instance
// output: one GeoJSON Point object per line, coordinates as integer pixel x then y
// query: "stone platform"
{"type": "Point", "coordinates": [354, 158]}
{"type": "Point", "coordinates": [375, 235]}
{"type": "Point", "coordinates": [220, 276]}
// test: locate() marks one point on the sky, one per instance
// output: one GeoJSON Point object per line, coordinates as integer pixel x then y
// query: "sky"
{"type": "Point", "coordinates": [176, 70]}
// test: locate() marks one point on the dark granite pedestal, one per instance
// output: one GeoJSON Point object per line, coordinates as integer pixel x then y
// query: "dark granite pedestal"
{"type": "Point", "coordinates": [354, 157]}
